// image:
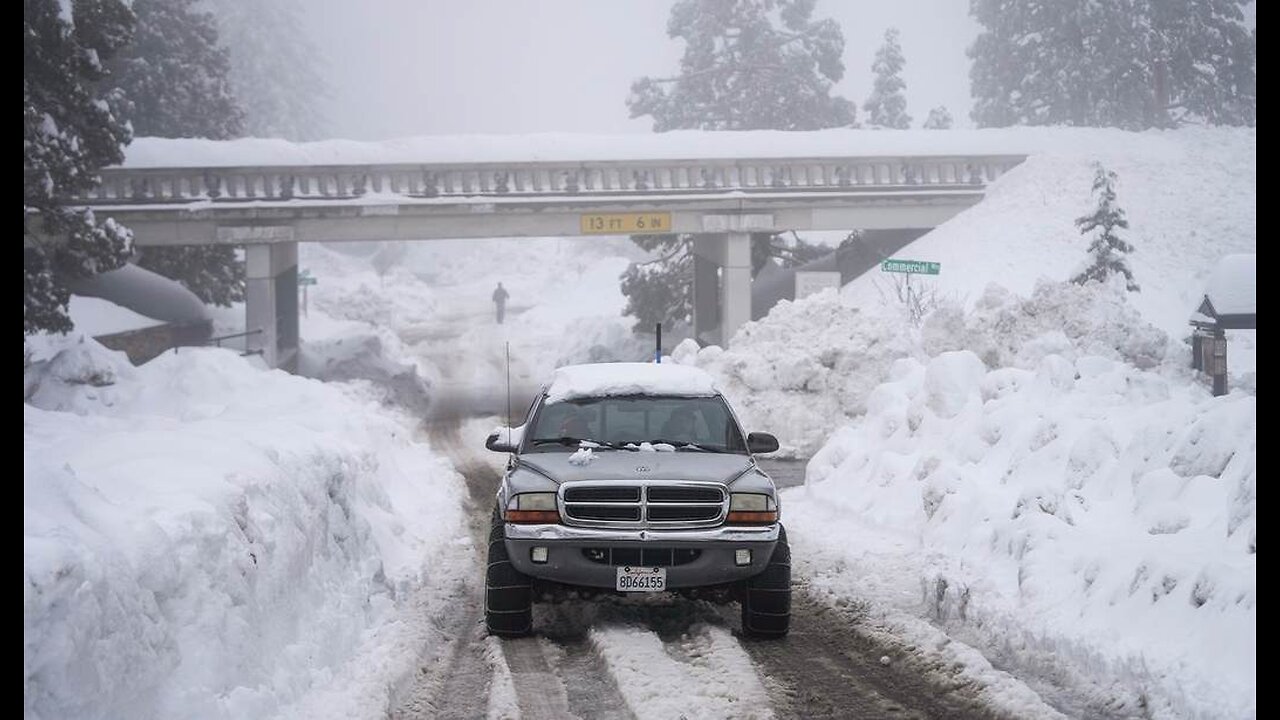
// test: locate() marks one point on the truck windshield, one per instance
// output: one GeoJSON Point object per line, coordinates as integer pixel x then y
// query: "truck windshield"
{"type": "Point", "coordinates": [697, 424]}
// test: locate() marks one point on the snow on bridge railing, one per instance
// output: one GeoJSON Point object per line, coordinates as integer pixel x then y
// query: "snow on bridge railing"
{"type": "Point", "coordinates": [497, 180]}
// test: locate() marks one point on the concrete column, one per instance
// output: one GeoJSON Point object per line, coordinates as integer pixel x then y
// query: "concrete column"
{"type": "Point", "coordinates": [735, 285]}
{"type": "Point", "coordinates": [271, 302]}
{"type": "Point", "coordinates": [706, 300]}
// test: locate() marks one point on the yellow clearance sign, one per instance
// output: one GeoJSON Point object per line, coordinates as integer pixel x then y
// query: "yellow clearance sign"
{"type": "Point", "coordinates": [626, 223]}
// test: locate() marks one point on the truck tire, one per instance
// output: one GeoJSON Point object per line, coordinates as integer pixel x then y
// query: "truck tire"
{"type": "Point", "coordinates": [508, 593]}
{"type": "Point", "coordinates": [766, 598]}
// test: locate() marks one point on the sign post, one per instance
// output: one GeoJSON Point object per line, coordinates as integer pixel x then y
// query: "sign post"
{"type": "Point", "coordinates": [305, 280]}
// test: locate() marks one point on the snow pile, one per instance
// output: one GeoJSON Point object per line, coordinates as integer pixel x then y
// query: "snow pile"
{"type": "Point", "coordinates": [605, 379]}
{"type": "Point", "coordinates": [1058, 318]}
{"type": "Point", "coordinates": [804, 368]}
{"type": "Point", "coordinates": [564, 307]}
{"type": "Point", "coordinates": [206, 539]}
{"type": "Point", "coordinates": [1077, 506]}
{"type": "Point", "coordinates": [582, 457]}
{"type": "Point", "coordinates": [367, 356]}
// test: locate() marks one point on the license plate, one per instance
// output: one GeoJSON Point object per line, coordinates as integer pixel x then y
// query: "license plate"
{"type": "Point", "coordinates": [642, 579]}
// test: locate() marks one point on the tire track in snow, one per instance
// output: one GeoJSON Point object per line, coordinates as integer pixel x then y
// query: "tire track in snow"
{"type": "Point", "coordinates": [539, 690]}
{"type": "Point", "coordinates": [458, 683]}
{"type": "Point", "coordinates": [703, 674]}
{"type": "Point", "coordinates": [827, 668]}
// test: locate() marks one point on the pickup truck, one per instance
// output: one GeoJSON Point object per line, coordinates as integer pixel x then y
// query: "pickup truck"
{"type": "Point", "coordinates": [635, 478]}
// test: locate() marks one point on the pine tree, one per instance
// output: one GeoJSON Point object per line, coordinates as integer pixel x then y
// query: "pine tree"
{"type": "Point", "coordinates": [72, 127]}
{"type": "Point", "coordinates": [273, 67]}
{"type": "Point", "coordinates": [748, 65]}
{"type": "Point", "coordinates": [1131, 64]}
{"type": "Point", "coordinates": [175, 74]}
{"type": "Point", "coordinates": [886, 107]}
{"type": "Point", "coordinates": [659, 290]}
{"type": "Point", "coordinates": [939, 119]}
{"type": "Point", "coordinates": [1107, 251]}
{"type": "Point", "coordinates": [176, 78]}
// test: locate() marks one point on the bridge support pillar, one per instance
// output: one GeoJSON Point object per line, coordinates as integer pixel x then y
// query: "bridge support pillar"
{"type": "Point", "coordinates": [721, 285]}
{"type": "Point", "coordinates": [271, 303]}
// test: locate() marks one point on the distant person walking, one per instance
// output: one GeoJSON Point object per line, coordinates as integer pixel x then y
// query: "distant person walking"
{"type": "Point", "coordinates": [500, 296]}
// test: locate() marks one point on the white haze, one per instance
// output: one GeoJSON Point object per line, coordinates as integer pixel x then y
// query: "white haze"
{"type": "Point", "coordinates": [412, 67]}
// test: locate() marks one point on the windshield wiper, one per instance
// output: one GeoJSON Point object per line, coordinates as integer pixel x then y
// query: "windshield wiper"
{"type": "Point", "coordinates": [682, 445]}
{"type": "Point", "coordinates": [577, 442]}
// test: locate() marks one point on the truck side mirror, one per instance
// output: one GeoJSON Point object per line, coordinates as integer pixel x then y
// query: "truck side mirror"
{"type": "Point", "coordinates": [761, 442]}
{"type": "Point", "coordinates": [497, 443]}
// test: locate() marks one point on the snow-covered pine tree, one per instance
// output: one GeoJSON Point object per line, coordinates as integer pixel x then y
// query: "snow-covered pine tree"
{"type": "Point", "coordinates": [1107, 251]}
{"type": "Point", "coordinates": [886, 107]}
{"type": "Point", "coordinates": [939, 119]}
{"type": "Point", "coordinates": [747, 65]}
{"type": "Point", "coordinates": [72, 126]}
{"type": "Point", "coordinates": [1131, 64]}
{"type": "Point", "coordinates": [176, 75]}
{"type": "Point", "coordinates": [176, 78]}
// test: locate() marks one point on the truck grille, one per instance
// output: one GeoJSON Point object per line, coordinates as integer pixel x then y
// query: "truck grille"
{"type": "Point", "coordinates": [644, 505]}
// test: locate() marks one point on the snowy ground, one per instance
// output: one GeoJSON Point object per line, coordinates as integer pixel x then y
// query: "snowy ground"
{"type": "Point", "coordinates": [564, 304]}
{"type": "Point", "coordinates": [1035, 469]}
{"type": "Point", "coordinates": [1028, 487]}
{"type": "Point", "coordinates": [203, 538]}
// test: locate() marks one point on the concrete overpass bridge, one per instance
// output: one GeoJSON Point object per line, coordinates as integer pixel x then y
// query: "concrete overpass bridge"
{"type": "Point", "coordinates": [271, 206]}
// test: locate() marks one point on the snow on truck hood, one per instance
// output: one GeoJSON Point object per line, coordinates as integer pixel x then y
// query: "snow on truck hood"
{"type": "Point", "coordinates": [611, 379]}
{"type": "Point", "coordinates": [625, 465]}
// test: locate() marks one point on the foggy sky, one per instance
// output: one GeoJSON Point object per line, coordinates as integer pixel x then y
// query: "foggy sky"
{"type": "Point", "coordinates": [412, 67]}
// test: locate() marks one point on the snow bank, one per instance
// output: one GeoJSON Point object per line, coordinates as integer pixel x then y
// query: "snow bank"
{"type": "Point", "coordinates": [804, 368]}
{"type": "Point", "coordinates": [206, 539]}
{"type": "Point", "coordinates": [579, 381]}
{"type": "Point", "coordinates": [368, 356]}
{"type": "Point", "coordinates": [812, 364]}
{"type": "Point", "coordinates": [1080, 507]}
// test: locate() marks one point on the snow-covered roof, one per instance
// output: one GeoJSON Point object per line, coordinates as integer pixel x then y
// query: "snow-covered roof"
{"type": "Point", "coordinates": [1233, 285]}
{"type": "Point", "coordinates": [95, 317]}
{"type": "Point", "coordinates": [605, 379]}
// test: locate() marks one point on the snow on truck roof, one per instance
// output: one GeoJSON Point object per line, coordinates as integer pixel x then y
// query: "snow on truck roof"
{"type": "Point", "coordinates": [604, 379]}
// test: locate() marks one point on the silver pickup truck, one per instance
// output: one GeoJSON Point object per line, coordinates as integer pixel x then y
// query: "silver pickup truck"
{"type": "Point", "coordinates": [635, 478]}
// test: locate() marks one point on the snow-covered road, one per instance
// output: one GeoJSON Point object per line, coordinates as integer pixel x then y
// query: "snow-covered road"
{"type": "Point", "coordinates": [671, 657]}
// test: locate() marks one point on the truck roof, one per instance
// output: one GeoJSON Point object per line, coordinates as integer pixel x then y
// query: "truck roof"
{"type": "Point", "coordinates": [629, 378]}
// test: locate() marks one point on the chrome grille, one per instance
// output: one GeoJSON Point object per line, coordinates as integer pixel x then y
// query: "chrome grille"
{"type": "Point", "coordinates": [653, 504]}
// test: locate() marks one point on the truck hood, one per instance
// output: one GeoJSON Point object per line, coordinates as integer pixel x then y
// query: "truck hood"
{"type": "Point", "coordinates": [629, 465]}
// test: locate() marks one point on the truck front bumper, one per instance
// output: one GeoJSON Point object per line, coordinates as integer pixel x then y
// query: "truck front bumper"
{"type": "Point", "coordinates": [589, 557]}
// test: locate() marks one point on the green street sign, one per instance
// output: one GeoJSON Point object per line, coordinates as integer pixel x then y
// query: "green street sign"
{"type": "Point", "coordinates": [917, 267]}
{"type": "Point", "coordinates": [305, 278]}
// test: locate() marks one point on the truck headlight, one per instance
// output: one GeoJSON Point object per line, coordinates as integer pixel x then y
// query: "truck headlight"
{"type": "Point", "coordinates": [533, 508]}
{"type": "Point", "coordinates": [752, 509]}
